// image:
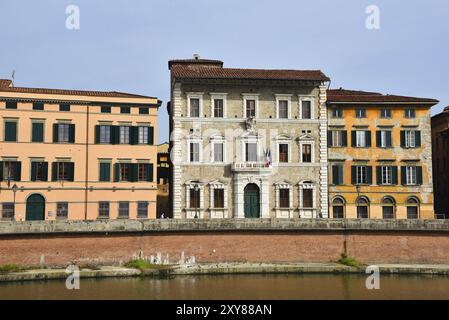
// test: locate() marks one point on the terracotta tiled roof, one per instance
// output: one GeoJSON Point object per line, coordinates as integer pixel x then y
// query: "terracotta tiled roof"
{"type": "Point", "coordinates": [112, 94]}
{"type": "Point", "coordinates": [343, 95]}
{"type": "Point", "coordinates": [205, 72]}
{"type": "Point", "coordinates": [209, 62]}
{"type": "Point", "coordinates": [5, 83]}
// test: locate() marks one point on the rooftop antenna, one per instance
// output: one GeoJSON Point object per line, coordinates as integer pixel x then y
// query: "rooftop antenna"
{"type": "Point", "coordinates": [13, 76]}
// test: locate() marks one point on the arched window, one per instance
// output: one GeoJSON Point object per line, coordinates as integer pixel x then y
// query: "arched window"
{"type": "Point", "coordinates": [388, 208]}
{"type": "Point", "coordinates": [412, 208]}
{"type": "Point", "coordinates": [338, 208]}
{"type": "Point", "coordinates": [362, 208]}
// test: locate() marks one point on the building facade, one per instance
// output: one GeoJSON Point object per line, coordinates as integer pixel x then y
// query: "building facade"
{"type": "Point", "coordinates": [247, 143]}
{"type": "Point", "coordinates": [380, 156]}
{"type": "Point", "coordinates": [163, 178]}
{"type": "Point", "coordinates": [440, 144]}
{"type": "Point", "coordinates": [77, 155]}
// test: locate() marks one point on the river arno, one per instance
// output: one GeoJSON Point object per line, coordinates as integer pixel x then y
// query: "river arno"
{"type": "Point", "coordinates": [306, 286]}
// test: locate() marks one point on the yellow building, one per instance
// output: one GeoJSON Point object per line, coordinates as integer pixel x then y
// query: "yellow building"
{"type": "Point", "coordinates": [76, 155]}
{"type": "Point", "coordinates": [380, 156]}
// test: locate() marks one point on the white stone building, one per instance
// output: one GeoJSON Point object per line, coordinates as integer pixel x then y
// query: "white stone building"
{"type": "Point", "coordinates": [247, 143]}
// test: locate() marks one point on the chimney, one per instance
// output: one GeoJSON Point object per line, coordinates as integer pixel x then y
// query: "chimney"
{"type": "Point", "coordinates": [196, 56]}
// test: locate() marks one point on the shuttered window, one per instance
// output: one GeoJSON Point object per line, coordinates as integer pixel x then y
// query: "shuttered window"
{"type": "Point", "coordinates": [10, 131]}
{"type": "Point", "coordinates": [105, 171]}
{"type": "Point", "coordinates": [39, 171]}
{"type": "Point", "coordinates": [37, 132]}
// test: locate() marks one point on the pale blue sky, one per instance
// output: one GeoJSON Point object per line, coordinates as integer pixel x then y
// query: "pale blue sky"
{"type": "Point", "coordinates": [125, 45]}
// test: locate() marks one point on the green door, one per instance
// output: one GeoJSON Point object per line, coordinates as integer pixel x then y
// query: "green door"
{"type": "Point", "coordinates": [35, 207]}
{"type": "Point", "coordinates": [252, 201]}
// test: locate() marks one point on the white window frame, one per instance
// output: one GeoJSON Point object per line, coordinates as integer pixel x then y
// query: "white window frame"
{"type": "Point", "coordinates": [302, 98]}
{"type": "Point", "coordinates": [278, 187]}
{"type": "Point", "coordinates": [218, 185]}
{"type": "Point", "coordinates": [191, 186]}
{"type": "Point", "coordinates": [411, 175]}
{"type": "Point", "coordinates": [282, 139]}
{"type": "Point", "coordinates": [301, 187]}
{"type": "Point", "coordinates": [195, 95]}
{"type": "Point", "coordinates": [251, 96]}
{"type": "Point", "coordinates": [217, 96]}
{"type": "Point", "coordinates": [410, 138]}
{"type": "Point", "coordinates": [217, 140]}
{"type": "Point", "coordinates": [361, 171]}
{"type": "Point", "coordinates": [383, 138]}
{"type": "Point", "coordinates": [359, 139]}
{"type": "Point", "coordinates": [194, 140]}
{"type": "Point", "coordinates": [387, 175]}
{"type": "Point", "coordinates": [336, 133]}
{"type": "Point", "coordinates": [284, 97]}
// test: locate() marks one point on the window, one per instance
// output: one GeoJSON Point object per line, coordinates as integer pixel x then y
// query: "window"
{"type": "Point", "coordinates": [337, 174]}
{"type": "Point", "coordinates": [250, 108]}
{"type": "Point", "coordinates": [283, 152]}
{"type": "Point", "coordinates": [123, 209]}
{"type": "Point", "coordinates": [105, 171]}
{"type": "Point", "coordinates": [124, 135]}
{"type": "Point", "coordinates": [64, 107]}
{"type": "Point", "coordinates": [218, 108]}
{"type": "Point", "coordinates": [360, 113]}
{"type": "Point", "coordinates": [12, 170]}
{"type": "Point", "coordinates": [38, 106]}
{"type": "Point", "coordinates": [10, 130]}
{"type": "Point", "coordinates": [11, 105]}
{"type": "Point", "coordinates": [103, 209]}
{"type": "Point", "coordinates": [219, 198]}
{"type": "Point", "coordinates": [143, 135]}
{"type": "Point", "coordinates": [37, 132]}
{"type": "Point", "coordinates": [306, 109]}
{"type": "Point", "coordinates": [39, 171]}
{"type": "Point", "coordinates": [337, 138]}
{"type": "Point", "coordinates": [411, 175]}
{"type": "Point", "coordinates": [251, 152]}
{"type": "Point", "coordinates": [105, 109]}
{"type": "Point", "coordinates": [410, 113]}
{"type": "Point", "coordinates": [63, 132]}
{"type": "Point", "coordinates": [63, 171]}
{"type": "Point", "coordinates": [384, 139]}
{"type": "Point", "coordinates": [385, 113]}
{"type": "Point", "coordinates": [338, 208]}
{"type": "Point", "coordinates": [194, 152]}
{"type": "Point", "coordinates": [194, 200]}
{"type": "Point", "coordinates": [284, 198]}
{"type": "Point", "coordinates": [410, 139]}
{"type": "Point", "coordinates": [337, 113]}
{"type": "Point", "coordinates": [362, 175]}
{"type": "Point", "coordinates": [307, 198]}
{"type": "Point", "coordinates": [412, 208]}
{"type": "Point", "coordinates": [283, 109]}
{"type": "Point", "coordinates": [386, 175]}
{"type": "Point", "coordinates": [388, 208]}
{"type": "Point", "coordinates": [306, 153]}
{"type": "Point", "coordinates": [144, 110]}
{"type": "Point", "coordinates": [218, 152]}
{"type": "Point", "coordinates": [144, 172]}
{"type": "Point", "coordinates": [142, 209]}
{"type": "Point", "coordinates": [8, 211]}
{"type": "Point", "coordinates": [125, 110]}
{"type": "Point", "coordinates": [62, 210]}
{"type": "Point", "coordinates": [194, 107]}
{"type": "Point", "coordinates": [125, 171]}
{"type": "Point", "coordinates": [362, 208]}
{"type": "Point", "coordinates": [360, 139]}
{"type": "Point", "coordinates": [105, 134]}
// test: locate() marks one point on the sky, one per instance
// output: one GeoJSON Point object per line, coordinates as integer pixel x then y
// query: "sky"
{"type": "Point", "coordinates": [125, 45]}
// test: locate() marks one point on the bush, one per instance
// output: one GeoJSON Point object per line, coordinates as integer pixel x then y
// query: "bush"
{"type": "Point", "coordinates": [142, 264]}
{"type": "Point", "coordinates": [348, 261]}
{"type": "Point", "coordinates": [7, 268]}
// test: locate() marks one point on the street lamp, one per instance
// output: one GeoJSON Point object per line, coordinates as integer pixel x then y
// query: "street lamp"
{"type": "Point", "coordinates": [197, 200]}
{"type": "Point", "coordinates": [14, 190]}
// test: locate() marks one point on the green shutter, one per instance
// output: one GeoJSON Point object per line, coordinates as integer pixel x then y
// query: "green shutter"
{"type": "Point", "coordinates": [403, 139]}
{"type": "Point", "coordinates": [116, 134]}
{"type": "Point", "coordinates": [38, 132]}
{"type": "Point", "coordinates": [353, 138]}
{"type": "Point", "coordinates": [97, 134]}
{"type": "Point", "coordinates": [389, 140]}
{"type": "Point", "coordinates": [44, 171]}
{"type": "Point", "coordinates": [54, 171]}
{"type": "Point", "coordinates": [18, 171]}
{"type": "Point", "coordinates": [329, 139]}
{"type": "Point", "coordinates": [150, 169]}
{"type": "Point", "coordinates": [419, 175]}
{"type": "Point", "coordinates": [33, 171]}
{"type": "Point", "coordinates": [344, 138]}
{"type": "Point", "coordinates": [71, 171]}
{"type": "Point", "coordinates": [379, 175]}
{"type": "Point", "coordinates": [369, 171]}
{"type": "Point", "coordinates": [105, 171]}
{"type": "Point", "coordinates": [151, 136]}
{"type": "Point", "coordinates": [378, 139]}
{"type": "Point", "coordinates": [354, 174]}
{"type": "Point", "coordinates": [335, 175]}
{"type": "Point", "coordinates": [10, 131]}
{"type": "Point", "coordinates": [368, 138]}
{"type": "Point", "coordinates": [1, 170]}
{"type": "Point", "coordinates": [55, 132]}
{"type": "Point", "coordinates": [403, 175]}
{"type": "Point", "coordinates": [117, 172]}
{"type": "Point", "coordinates": [395, 175]}
{"type": "Point", "coordinates": [72, 133]}
{"type": "Point", "coordinates": [134, 135]}
{"type": "Point", "coordinates": [418, 138]}
{"type": "Point", "coordinates": [134, 172]}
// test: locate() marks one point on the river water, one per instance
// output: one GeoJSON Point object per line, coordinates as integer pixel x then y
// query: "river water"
{"type": "Point", "coordinates": [304, 286]}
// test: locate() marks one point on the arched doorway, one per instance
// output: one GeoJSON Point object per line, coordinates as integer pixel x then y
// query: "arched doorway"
{"type": "Point", "coordinates": [252, 201]}
{"type": "Point", "coordinates": [35, 209]}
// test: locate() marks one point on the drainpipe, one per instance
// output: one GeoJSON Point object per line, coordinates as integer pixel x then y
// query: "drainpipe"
{"type": "Point", "coordinates": [86, 165]}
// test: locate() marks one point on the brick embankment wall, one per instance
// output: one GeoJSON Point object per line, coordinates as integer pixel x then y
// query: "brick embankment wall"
{"type": "Point", "coordinates": [108, 243]}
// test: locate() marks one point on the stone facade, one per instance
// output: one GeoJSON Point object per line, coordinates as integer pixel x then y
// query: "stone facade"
{"type": "Point", "coordinates": [248, 144]}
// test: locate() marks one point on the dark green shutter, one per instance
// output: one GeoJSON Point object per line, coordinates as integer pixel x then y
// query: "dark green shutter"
{"type": "Point", "coordinates": [72, 133]}
{"type": "Point", "coordinates": [378, 139]}
{"type": "Point", "coordinates": [105, 171]}
{"type": "Point", "coordinates": [329, 139]}
{"type": "Point", "coordinates": [344, 138]}
{"type": "Point", "coordinates": [71, 171]}
{"type": "Point", "coordinates": [369, 171]}
{"type": "Point", "coordinates": [33, 171]}
{"type": "Point", "coordinates": [395, 175]}
{"type": "Point", "coordinates": [150, 169]}
{"type": "Point", "coordinates": [419, 175]}
{"type": "Point", "coordinates": [117, 172]}
{"type": "Point", "coordinates": [55, 132]}
{"type": "Point", "coordinates": [151, 136]}
{"type": "Point", "coordinates": [354, 174]}
{"type": "Point", "coordinates": [116, 134]}
{"type": "Point", "coordinates": [10, 131]}
{"type": "Point", "coordinates": [54, 171]}
{"type": "Point", "coordinates": [38, 132]}
{"type": "Point", "coordinates": [403, 175]}
{"type": "Point", "coordinates": [418, 138]}
{"type": "Point", "coordinates": [1, 170]}
{"type": "Point", "coordinates": [403, 139]}
{"type": "Point", "coordinates": [379, 175]}
{"type": "Point", "coordinates": [18, 171]}
{"type": "Point", "coordinates": [97, 134]}
{"type": "Point", "coordinates": [133, 135]}
{"type": "Point", "coordinates": [44, 171]}
{"type": "Point", "coordinates": [389, 140]}
{"type": "Point", "coordinates": [335, 175]}
{"type": "Point", "coordinates": [368, 138]}
{"type": "Point", "coordinates": [353, 138]}
{"type": "Point", "coordinates": [134, 172]}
